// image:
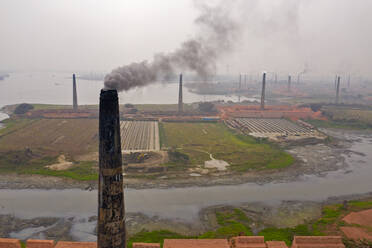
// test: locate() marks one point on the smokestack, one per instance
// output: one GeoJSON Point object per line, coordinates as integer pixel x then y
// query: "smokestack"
{"type": "Point", "coordinates": [276, 78]}
{"type": "Point", "coordinates": [180, 100]}
{"type": "Point", "coordinates": [338, 90]}
{"type": "Point", "coordinates": [348, 81]}
{"type": "Point", "coordinates": [111, 212]}
{"type": "Point", "coordinates": [263, 91]}
{"type": "Point", "coordinates": [74, 94]}
{"type": "Point", "coordinates": [240, 81]}
{"type": "Point", "coordinates": [245, 81]}
{"type": "Point", "coordinates": [336, 81]}
{"type": "Point", "coordinates": [289, 83]}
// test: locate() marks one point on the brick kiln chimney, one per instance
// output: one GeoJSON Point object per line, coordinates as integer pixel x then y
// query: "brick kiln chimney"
{"type": "Point", "coordinates": [240, 81]}
{"type": "Point", "coordinates": [289, 83]}
{"type": "Point", "coordinates": [111, 212]}
{"type": "Point", "coordinates": [263, 91]}
{"type": "Point", "coordinates": [338, 90]}
{"type": "Point", "coordinates": [180, 101]}
{"type": "Point", "coordinates": [74, 94]}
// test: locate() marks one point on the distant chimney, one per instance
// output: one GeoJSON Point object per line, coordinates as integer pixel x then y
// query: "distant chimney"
{"type": "Point", "coordinates": [180, 100]}
{"type": "Point", "coordinates": [240, 81]}
{"type": "Point", "coordinates": [111, 212]}
{"type": "Point", "coordinates": [263, 91]}
{"type": "Point", "coordinates": [289, 83]}
{"type": "Point", "coordinates": [348, 81]}
{"type": "Point", "coordinates": [74, 94]}
{"type": "Point", "coordinates": [338, 90]}
{"type": "Point", "coordinates": [336, 81]}
{"type": "Point", "coordinates": [276, 78]}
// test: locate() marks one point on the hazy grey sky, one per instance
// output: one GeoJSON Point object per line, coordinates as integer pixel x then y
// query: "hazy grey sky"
{"type": "Point", "coordinates": [280, 35]}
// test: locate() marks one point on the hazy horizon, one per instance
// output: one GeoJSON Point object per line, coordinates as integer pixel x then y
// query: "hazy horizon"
{"type": "Point", "coordinates": [286, 36]}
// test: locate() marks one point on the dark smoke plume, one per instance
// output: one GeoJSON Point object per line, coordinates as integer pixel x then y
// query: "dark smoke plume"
{"type": "Point", "coordinates": [199, 55]}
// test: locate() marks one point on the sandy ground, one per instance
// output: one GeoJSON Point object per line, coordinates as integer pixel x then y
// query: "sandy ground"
{"type": "Point", "coordinates": [62, 164]}
{"type": "Point", "coordinates": [363, 224]}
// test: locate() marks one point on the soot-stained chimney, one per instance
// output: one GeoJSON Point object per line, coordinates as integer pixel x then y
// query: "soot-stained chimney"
{"type": "Point", "coordinates": [180, 100]}
{"type": "Point", "coordinates": [111, 212]}
{"type": "Point", "coordinates": [338, 90]}
{"type": "Point", "coordinates": [74, 93]}
{"type": "Point", "coordinates": [263, 91]}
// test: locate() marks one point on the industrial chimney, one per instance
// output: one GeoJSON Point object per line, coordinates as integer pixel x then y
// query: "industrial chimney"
{"type": "Point", "coordinates": [111, 212]}
{"type": "Point", "coordinates": [240, 81]}
{"type": "Point", "coordinates": [74, 94]}
{"type": "Point", "coordinates": [263, 91]}
{"type": "Point", "coordinates": [180, 100]}
{"type": "Point", "coordinates": [338, 90]}
{"type": "Point", "coordinates": [289, 83]}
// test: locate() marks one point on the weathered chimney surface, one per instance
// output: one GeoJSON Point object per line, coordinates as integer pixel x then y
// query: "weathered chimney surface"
{"type": "Point", "coordinates": [289, 83]}
{"type": "Point", "coordinates": [111, 213]}
{"type": "Point", "coordinates": [180, 100]}
{"type": "Point", "coordinates": [338, 90]}
{"type": "Point", "coordinates": [263, 91]}
{"type": "Point", "coordinates": [74, 93]}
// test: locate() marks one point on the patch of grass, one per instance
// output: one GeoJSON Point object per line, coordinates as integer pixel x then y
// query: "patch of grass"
{"type": "Point", "coordinates": [27, 162]}
{"type": "Point", "coordinates": [231, 230]}
{"type": "Point", "coordinates": [360, 205]}
{"type": "Point", "coordinates": [285, 234]}
{"type": "Point", "coordinates": [154, 237]}
{"type": "Point", "coordinates": [243, 153]}
{"type": "Point", "coordinates": [83, 171]}
{"type": "Point", "coordinates": [232, 223]}
{"type": "Point", "coordinates": [339, 124]}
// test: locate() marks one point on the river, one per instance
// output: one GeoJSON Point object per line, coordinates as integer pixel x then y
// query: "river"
{"type": "Point", "coordinates": [56, 88]}
{"type": "Point", "coordinates": [184, 204]}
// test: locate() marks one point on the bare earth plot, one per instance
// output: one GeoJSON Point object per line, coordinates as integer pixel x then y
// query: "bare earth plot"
{"type": "Point", "coordinates": [67, 136]}
{"type": "Point", "coordinates": [139, 135]}
{"type": "Point", "coordinates": [275, 128]}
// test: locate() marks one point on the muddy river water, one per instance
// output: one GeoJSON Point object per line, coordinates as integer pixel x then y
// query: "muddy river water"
{"type": "Point", "coordinates": [184, 204]}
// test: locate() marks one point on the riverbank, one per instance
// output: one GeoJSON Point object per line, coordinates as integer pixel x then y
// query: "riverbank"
{"type": "Point", "coordinates": [279, 221]}
{"type": "Point", "coordinates": [317, 159]}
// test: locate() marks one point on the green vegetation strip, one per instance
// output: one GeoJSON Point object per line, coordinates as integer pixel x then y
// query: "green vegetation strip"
{"type": "Point", "coordinates": [24, 162]}
{"type": "Point", "coordinates": [233, 222]}
{"type": "Point", "coordinates": [243, 153]}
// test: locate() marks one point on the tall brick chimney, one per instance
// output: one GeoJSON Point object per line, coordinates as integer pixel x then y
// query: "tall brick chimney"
{"type": "Point", "coordinates": [180, 100]}
{"type": "Point", "coordinates": [289, 83]}
{"type": "Point", "coordinates": [74, 93]}
{"type": "Point", "coordinates": [240, 81]}
{"type": "Point", "coordinates": [338, 90]}
{"type": "Point", "coordinates": [111, 212]}
{"type": "Point", "coordinates": [263, 91]}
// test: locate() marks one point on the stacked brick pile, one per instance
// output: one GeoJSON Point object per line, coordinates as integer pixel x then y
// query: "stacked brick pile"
{"type": "Point", "coordinates": [235, 242]}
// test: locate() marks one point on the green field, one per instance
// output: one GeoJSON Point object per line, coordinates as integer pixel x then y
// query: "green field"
{"type": "Point", "coordinates": [243, 153]}
{"type": "Point", "coordinates": [345, 117]}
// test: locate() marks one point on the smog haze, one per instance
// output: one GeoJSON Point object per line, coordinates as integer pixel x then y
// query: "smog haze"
{"type": "Point", "coordinates": [325, 36]}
